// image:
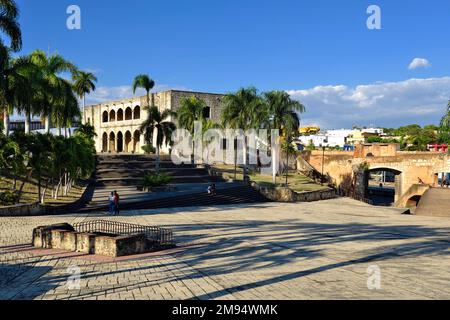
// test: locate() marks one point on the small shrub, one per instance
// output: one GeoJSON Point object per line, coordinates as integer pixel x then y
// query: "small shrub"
{"type": "Point", "coordinates": [156, 180]}
{"type": "Point", "coordinates": [8, 198]}
{"type": "Point", "coordinates": [149, 149]}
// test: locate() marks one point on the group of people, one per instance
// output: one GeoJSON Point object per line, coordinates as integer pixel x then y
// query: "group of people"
{"type": "Point", "coordinates": [114, 201]}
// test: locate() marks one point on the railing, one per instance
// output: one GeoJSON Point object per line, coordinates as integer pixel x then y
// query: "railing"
{"type": "Point", "coordinates": [155, 234]}
{"type": "Point", "coordinates": [341, 193]}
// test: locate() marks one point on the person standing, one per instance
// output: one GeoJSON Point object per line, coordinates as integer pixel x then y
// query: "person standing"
{"type": "Point", "coordinates": [111, 203]}
{"type": "Point", "coordinates": [116, 203]}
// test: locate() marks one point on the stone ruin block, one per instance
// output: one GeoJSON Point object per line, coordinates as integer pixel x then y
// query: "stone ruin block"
{"type": "Point", "coordinates": [43, 236]}
{"type": "Point", "coordinates": [86, 243]}
{"type": "Point", "coordinates": [65, 237]}
{"type": "Point", "coordinates": [120, 246]}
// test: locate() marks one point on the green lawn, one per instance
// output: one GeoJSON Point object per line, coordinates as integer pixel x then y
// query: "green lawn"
{"type": "Point", "coordinates": [30, 192]}
{"type": "Point", "coordinates": [297, 181]}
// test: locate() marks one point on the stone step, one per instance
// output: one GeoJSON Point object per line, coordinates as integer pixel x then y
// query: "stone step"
{"type": "Point", "coordinates": [237, 195]}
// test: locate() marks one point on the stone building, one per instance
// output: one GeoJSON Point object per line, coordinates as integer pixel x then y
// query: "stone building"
{"type": "Point", "coordinates": [117, 123]}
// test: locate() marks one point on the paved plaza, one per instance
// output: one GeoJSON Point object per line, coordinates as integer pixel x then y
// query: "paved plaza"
{"type": "Point", "coordinates": [317, 250]}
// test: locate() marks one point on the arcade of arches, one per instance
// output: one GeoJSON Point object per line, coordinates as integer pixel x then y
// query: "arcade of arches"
{"type": "Point", "coordinates": [120, 115]}
{"type": "Point", "coordinates": [127, 142]}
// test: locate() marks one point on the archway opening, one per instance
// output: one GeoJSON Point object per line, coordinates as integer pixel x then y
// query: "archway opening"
{"type": "Point", "coordinates": [112, 116]}
{"type": "Point", "coordinates": [413, 202]}
{"type": "Point", "coordinates": [136, 141]}
{"type": "Point", "coordinates": [120, 142]}
{"type": "Point", "coordinates": [112, 142]}
{"type": "Point", "coordinates": [120, 115]}
{"type": "Point", "coordinates": [137, 113]}
{"type": "Point", "coordinates": [383, 186]}
{"type": "Point", "coordinates": [128, 114]}
{"type": "Point", "coordinates": [105, 116]}
{"type": "Point", "coordinates": [105, 142]}
{"type": "Point", "coordinates": [128, 140]}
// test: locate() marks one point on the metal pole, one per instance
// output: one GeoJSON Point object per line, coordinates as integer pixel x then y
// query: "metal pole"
{"type": "Point", "coordinates": [323, 164]}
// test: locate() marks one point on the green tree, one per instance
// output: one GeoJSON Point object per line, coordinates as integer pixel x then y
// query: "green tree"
{"type": "Point", "coordinates": [87, 130]}
{"type": "Point", "coordinates": [157, 122]}
{"type": "Point", "coordinates": [65, 106]}
{"type": "Point", "coordinates": [15, 87]}
{"type": "Point", "coordinates": [243, 110]}
{"type": "Point", "coordinates": [444, 128]}
{"type": "Point", "coordinates": [83, 83]}
{"type": "Point", "coordinates": [190, 111]}
{"type": "Point", "coordinates": [145, 82]}
{"type": "Point", "coordinates": [283, 114]}
{"type": "Point", "coordinates": [9, 26]}
{"type": "Point", "coordinates": [55, 90]}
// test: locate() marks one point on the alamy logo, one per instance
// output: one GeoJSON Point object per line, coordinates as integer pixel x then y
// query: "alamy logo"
{"type": "Point", "coordinates": [374, 20]}
{"type": "Point", "coordinates": [374, 279]}
{"type": "Point", "coordinates": [74, 20]}
{"type": "Point", "coordinates": [229, 146]}
{"type": "Point", "coordinates": [74, 279]}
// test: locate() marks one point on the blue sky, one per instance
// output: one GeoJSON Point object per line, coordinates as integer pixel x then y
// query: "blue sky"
{"type": "Point", "coordinates": [320, 51]}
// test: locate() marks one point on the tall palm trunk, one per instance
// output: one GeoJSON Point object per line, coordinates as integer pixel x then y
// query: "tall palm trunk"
{"type": "Point", "coordinates": [27, 122]}
{"type": "Point", "coordinates": [157, 159]}
{"type": "Point", "coordinates": [47, 124]}
{"type": "Point", "coordinates": [6, 121]}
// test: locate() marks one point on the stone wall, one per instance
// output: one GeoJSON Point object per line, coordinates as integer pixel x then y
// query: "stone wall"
{"type": "Point", "coordinates": [340, 166]}
{"type": "Point", "coordinates": [287, 195]}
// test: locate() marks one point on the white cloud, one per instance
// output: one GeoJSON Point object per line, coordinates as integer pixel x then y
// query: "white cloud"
{"type": "Point", "coordinates": [419, 63]}
{"type": "Point", "coordinates": [389, 104]}
{"type": "Point", "coordinates": [104, 94]}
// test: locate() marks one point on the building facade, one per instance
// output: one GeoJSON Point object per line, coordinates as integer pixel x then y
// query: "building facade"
{"type": "Point", "coordinates": [117, 123]}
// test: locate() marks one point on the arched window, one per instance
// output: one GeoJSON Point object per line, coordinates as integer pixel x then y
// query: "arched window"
{"type": "Point", "coordinates": [112, 116]}
{"type": "Point", "coordinates": [137, 112]}
{"type": "Point", "coordinates": [105, 142]}
{"type": "Point", "coordinates": [120, 115]}
{"type": "Point", "coordinates": [119, 142]}
{"type": "Point", "coordinates": [128, 114]}
{"type": "Point", "coordinates": [105, 116]}
{"type": "Point", "coordinates": [128, 142]}
{"type": "Point", "coordinates": [207, 113]}
{"type": "Point", "coordinates": [112, 142]}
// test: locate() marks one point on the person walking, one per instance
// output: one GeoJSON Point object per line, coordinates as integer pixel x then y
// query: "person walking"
{"type": "Point", "coordinates": [116, 203]}
{"type": "Point", "coordinates": [111, 203]}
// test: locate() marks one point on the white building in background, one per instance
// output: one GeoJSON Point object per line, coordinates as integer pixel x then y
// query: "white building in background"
{"type": "Point", "coordinates": [336, 138]}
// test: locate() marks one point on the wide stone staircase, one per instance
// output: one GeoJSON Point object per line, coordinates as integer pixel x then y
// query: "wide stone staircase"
{"type": "Point", "coordinates": [123, 173]}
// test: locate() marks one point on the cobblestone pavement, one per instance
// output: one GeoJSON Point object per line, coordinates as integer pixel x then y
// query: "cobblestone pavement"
{"type": "Point", "coordinates": [269, 251]}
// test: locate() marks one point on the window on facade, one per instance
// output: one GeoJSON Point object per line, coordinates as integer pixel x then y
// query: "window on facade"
{"type": "Point", "coordinates": [207, 113]}
{"type": "Point", "coordinates": [137, 112]}
{"type": "Point", "coordinates": [128, 114]}
{"type": "Point", "coordinates": [105, 116]}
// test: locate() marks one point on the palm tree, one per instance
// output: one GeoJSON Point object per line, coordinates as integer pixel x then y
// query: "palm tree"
{"type": "Point", "coordinates": [84, 83]}
{"type": "Point", "coordinates": [158, 122]}
{"type": "Point", "coordinates": [207, 140]}
{"type": "Point", "coordinates": [444, 128]}
{"type": "Point", "coordinates": [65, 106]}
{"type": "Point", "coordinates": [9, 26]}
{"type": "Point", "coordinates": [243, 110]}
{"type": "Point", "coordinates": [52, 67]}
{"type": "Point", "coordinates": [15, 87]}
{"type": "Point", "coordinates": [283, 116]}
{"type": "Point", "coordinates": [145, 82]}
{"type": "Point", "coordinates": [88, 130]}
{"type": "Point", "coordinates": [191, 111]}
